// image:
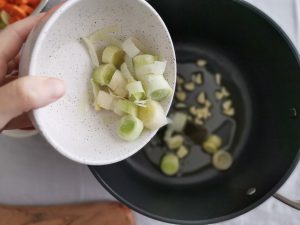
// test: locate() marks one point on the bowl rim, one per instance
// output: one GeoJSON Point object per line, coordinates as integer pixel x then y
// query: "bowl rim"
{"type": "Point", "coordinates": [52, 19]}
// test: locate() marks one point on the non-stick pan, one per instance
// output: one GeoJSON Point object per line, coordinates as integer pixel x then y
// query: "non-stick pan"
{"type": "Point", "coordinates": [261, 66]}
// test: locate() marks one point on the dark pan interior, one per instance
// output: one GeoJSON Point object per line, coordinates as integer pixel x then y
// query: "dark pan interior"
{"type": "Point", "coordinates": [264, 67]}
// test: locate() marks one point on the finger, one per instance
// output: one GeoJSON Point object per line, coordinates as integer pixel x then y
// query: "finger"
{"type": "Point", "coordinates": [27, 93]}
{"type": "Point", "coordinates": [12, 65]}
{"type": "Point", "coordinates": [21, 122]}
{"type": "Point", "coordinates": [12, 38]}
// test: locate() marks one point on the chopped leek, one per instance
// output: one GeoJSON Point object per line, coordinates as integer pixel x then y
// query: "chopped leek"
{"type": "Point", "coordinates": [113, 55]}
{"type": "Point", "coordinates": [156, 87]}
{"type": "Point", "coordinates": [152, 115]}
{"type": "Point", "coordinates": [92, 51]}
{"type": "Point", "coordinates": [179, 121]}
{"type": "Point", "coordinates": [95, 89]}
{"type": "Point", "coordinates": [101, 34]}
{"type": "Point", "coordinates": [128, 81]}
{"type": "Point", "coordinates": [130, 128]}
{"type": "Point", "coordinates": [169, 164]}
{"type": "Point", "coordinates": [123, 106]}
{"type": "Point", "coordinates": [126, 73]}
{"type": "Point", "coordinates": [118, 84]}
{"type": "Point", "coordinates": [174, 142]}
{"type": "Point", "coordinates": [142, 60]}
{"type": "Point", "coordinates": [136, 90]}
{"type": "Point", "coordinates": [155, 68]}
{"type": "Point", "coordinates": [105, 100]}
{"type": "Point", "coordinates": [132, 47]}
{"type": "Point", "coordinates": [103, 74]}
{"type": "Point", "coordinates": [222, 160]}
{"type": "Point", "coordinates": [129, 64]}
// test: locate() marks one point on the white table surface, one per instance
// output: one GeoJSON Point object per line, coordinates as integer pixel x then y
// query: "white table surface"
{"type": "Point", "coordinates": [31, 172]}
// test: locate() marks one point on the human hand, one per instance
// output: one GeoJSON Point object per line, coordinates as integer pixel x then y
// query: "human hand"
{"type": "Point", "coordinates": [19, 96]}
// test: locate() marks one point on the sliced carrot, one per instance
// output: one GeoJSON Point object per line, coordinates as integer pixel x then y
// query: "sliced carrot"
{"type": "Point", "coordinates": [2, 3]}
{"type": "Point", "coordinates": [14, 11]}
{"type": "Point", "coordinates": [26, 9]}
{"type": "Point", "coordinates": [18, 2]}
{"type": "Point", "coordinates": [33, 2]}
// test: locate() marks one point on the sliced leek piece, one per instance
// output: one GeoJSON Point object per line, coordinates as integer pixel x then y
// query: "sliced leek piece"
{"type": "Point", "coordinates": [222, 160]}
{"type": "Point", "coordinates": [153, 115]}
{"type": "Point", "coordinates": [156, 87]}
{"type": "Point", "coordinates": [142, 60]}
{"type": "Point", "coordinates": [212, 144]}
{"type": "Point", "coordinates": [103, 74]}
{"type": "Point", "coordinates": [135, 90]}
{"type": "Point", "coordinates": [130, 128]}
{"type": "Point", "coordinates": [101, 34]}
{"type": "Point", "coordinates": [169, 164]}
{"type": "Point", "coordinates": [92, 51]}
{"type": "Point", "coordinates": [129, 64]}
{"type": "Point", "coordinates": [105, 100]}
{"type": "Point", "coordinates": [157, 67]}
{"type": "Point", "coordinates": [118, 84]}
{"type": "Point", "coordinates": [179, 121]}
{"type": "Point", "coordinates": [123, 106]}
{"type": "Point", "coordinates": [132, 47]}
{"type": "Point", "coordinates": [174, 142]}
{"type": "Point", "coordinates": [182, 152]}
{"type": "Point", "coordinates": [113, 55]}
{"type": "Point", "coordinates": [5, 17]}
{"type": "Point", "coordinates": [126, 73]}
{"type": "Point", "coordinates": [95, 89]}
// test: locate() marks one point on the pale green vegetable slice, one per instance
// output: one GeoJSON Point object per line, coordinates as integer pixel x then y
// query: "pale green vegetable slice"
{"type": "Point", "coordinates": [101, 34]}
{"type": "Point", "coordinates": [179, 121]}
{"type": "Point", "coordinates": [222, 160]}
{"type": "Point", "coordinates": [129, 64]}
{"type": "Point", "coordinates": [92, 51]}
{"type": "Point", "coordinates": [118, 84]}
{"type": "Point", "coordinates": [141, 60]}
{"type": "Point", "coordinates": [212, 143]}
{"type": "Point", "coordinates": [132, 47]}
{"type": "Point", "coordinates": [182, 152]}
{"type": "Point", "coordinates": [103, 74]}
{"type": "Point", "coordinates": [126, 73]}
{"type": "Point", "coordinates": [113, 55]}
{"type": "Point", "coordinates": [157, 67]}
{"type": "Point", "coordinates": [156, 87]}
{"type": "Point", "coordinates": [105, 100]}
{"type": "Point", "coordinates": [135, 90]}
{"type": "Point", "coordinates": [174, 142]}
{"type": "Point", "coordinates": [4, 16]}
{"type": "Point", "coordinates": [123, 106]}
{"type": "Point", "coordinates": [152, 115]}
{"type": "Point", "coordinates": [169, 164]}
{"type": "Point", "coordinates": [95, 89]}
{"type": "Point", "coordinates": [130, 128]}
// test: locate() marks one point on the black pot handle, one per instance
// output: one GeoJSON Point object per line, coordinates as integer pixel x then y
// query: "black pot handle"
{"type": "Point", "coordinates": [289, 202]}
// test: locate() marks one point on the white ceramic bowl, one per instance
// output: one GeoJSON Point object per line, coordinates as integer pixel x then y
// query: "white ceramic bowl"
{"type": "Point", "coordinates": [71, 125]}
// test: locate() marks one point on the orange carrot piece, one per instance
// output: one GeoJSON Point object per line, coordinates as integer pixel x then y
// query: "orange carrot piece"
{"type": "Point", "coordinates": [14, 11]}
{"type": "Point", "coordinates": [26, 9]}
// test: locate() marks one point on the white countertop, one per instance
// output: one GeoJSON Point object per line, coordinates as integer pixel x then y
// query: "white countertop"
{"type": "Point", "coordinates": [31, 172]}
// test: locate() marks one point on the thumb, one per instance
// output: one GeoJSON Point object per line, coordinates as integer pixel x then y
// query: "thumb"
{"type": "Point", "coordinates": [27, 93]}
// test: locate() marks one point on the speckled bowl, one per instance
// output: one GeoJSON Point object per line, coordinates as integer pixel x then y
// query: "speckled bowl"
{"type": "Point", "coordinates": [71, 125]}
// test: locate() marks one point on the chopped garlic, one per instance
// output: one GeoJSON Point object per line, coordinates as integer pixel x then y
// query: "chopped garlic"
{"type": "Point", "coordinates": [181, 96]}
{"type": "Point", "coordinates": [218, 79]}
{"type": "Point", "coordinates": [189, 86]}
{"type": "Point", "coordinates": [201, 62]}
{"type": "Point", "coordinates": [201, 98]}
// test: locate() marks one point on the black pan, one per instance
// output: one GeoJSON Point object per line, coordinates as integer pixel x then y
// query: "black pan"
{"type": "Point", "coordinates": [261, 66]}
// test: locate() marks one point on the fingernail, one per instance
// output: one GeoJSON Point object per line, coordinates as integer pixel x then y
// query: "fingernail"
{"type": "Point", "coordinates": [56, 87]}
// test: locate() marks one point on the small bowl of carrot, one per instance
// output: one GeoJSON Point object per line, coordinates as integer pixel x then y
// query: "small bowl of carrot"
{"type": "Point", "coordinates": [14, 10]}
